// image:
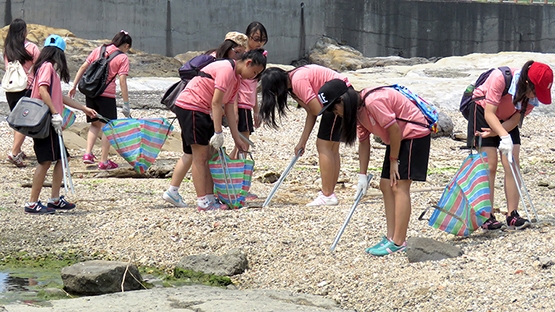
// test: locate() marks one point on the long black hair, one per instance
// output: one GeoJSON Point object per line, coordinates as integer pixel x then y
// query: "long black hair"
{"type": "Point", "coordinates": [523, 85]}
{"type": "Point", "coordinates": [58, 59]}
{"type": "Point", "coordinates": [273, 82]}
{"type": "Point", "coordinates": [14, 45]}
{"type": "Point", "coordinates": [351, 105]}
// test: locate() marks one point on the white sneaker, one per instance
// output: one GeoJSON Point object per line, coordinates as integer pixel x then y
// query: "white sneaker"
{"type": "Point", "coordinates": [323, 200]}
{"type": "Point", "coordinates": [175, 200]}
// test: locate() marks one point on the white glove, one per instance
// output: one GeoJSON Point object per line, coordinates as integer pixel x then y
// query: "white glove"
{"type": "Point", "coordinates": [506, 147]}
{"type": "Point", "coordinates": [57, 122]}
{"type": "Point", "coordinates": [126, 110]}
{"type": "Point", "coordinates": [217, 140]}
{"type": "Point", "coordinates": [362, 185]}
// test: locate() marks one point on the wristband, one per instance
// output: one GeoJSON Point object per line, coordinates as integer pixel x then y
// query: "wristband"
{"type": "Point", "coordinates": [216, 132]}
{"type": "Point", "coordinates": [125, 103]}
{"type": "Point", "coordinates": [393, 158]}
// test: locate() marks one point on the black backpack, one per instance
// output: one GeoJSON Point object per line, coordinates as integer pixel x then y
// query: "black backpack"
{"type": "Point", "coordinates": [467, 95]}
{"type": "Point", "coordinates": [94, 80]}
{"type": "Point", "coordinates": [187, 72]}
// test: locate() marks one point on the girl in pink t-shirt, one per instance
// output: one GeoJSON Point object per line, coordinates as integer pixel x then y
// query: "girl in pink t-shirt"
{"type": "Point", "coordinates": [47, 87]}
{"type": "Point", "coordinates": [495, 118]}
{"type": "Point", "coordinates": [17, 48]}
{"type": "Point", "coordinates": [303, 84]}
{"type": "Point", "coordinates": [199, 112]}
{"type": "Point", "coordinates": [105, 104]}
{"type": "Point", "coordinates": [387, 113]}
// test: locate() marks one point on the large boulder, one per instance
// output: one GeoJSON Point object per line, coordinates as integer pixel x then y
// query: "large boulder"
{"type": "Point", "coordinates": [330, 53]}
{"type": "Point", "coordinates": [99, 277]}
{"type": "Point", "coordinates": [233, 263]}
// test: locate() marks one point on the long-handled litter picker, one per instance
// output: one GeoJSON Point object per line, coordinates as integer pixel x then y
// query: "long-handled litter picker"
{"type": "Point", "coordinates": [355, 204]}
{"type": "Point", "coordinates": [281, 178]}
{"type": "Point", "coordinates": [227, 176]}
{"type": "Point", "coordinates": [517, 176]}
{"type": "Point", "coordinates": [65, 165]}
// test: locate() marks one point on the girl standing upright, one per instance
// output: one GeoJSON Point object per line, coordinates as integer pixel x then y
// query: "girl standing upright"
{"type": "Point", "coordinates": [105, 104]}
{"type": "Point", "coordinates": [50, 68]}
{"type": "Point", "coordinates": [303, 84]}
{"type": "Point", "coordinates": [496, 117]}
{"type": "Point", "coordinates": [18, 48]}
{"type": "Point", "coordinates": [247, 102]}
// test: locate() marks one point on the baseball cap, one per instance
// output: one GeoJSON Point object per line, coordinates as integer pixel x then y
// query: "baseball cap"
{"type": "Point", "coordinates": [237, 37]}
{"type": "Point", "coordinates": [330, 92]}
{"type": "Point", "coordinates": [55, 41]}
{"type": "Point", "coordinates": [541, 76]}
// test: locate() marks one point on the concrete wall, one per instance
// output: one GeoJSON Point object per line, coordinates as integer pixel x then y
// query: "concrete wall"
{"type": "Point", "coordinates": [439, 28]}
{"type": "Point", "coordinates": [375, 27]}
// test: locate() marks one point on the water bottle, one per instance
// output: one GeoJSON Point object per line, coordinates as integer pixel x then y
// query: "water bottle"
{"type": "Point", "coordinates": [469, 90]}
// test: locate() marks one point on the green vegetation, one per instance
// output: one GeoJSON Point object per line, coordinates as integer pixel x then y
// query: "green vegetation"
{"type": "Point", "coordinates": [202, 278]}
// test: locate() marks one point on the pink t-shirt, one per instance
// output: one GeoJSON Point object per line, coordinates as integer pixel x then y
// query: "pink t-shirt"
{"type": "Point", "coordinates": [118, 66]}
{"type": "Point", "coordinates": [246, 96]}
{"type": "Point", "coordinates": [198, 94]}
{"type": "Point", "coordinates": [308, 79]}
{"type": "Point", "coordinates": [34, 51]}
{"type": "Point", "coordinates": [492, 89]}
{"type": "Point", "coordinates": [381, 108]}
{"type": "Point", "coordinates": [47, 76]}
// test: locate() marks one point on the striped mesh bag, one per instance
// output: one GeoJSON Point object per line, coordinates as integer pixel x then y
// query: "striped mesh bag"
{"type": "Point", "coordinates": [68, 118]}
{"type": "Point", "coordinates": [138, 141]}
{"type": "Point", "coordinates": [465, 203]}
{"type": "Point", "coordinates": [231, 185]}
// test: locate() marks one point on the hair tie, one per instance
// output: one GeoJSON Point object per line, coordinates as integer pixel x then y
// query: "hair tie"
{"type": "Point", "coordinates": [124, 32]}
{"type": "Point", "coordinates": [265, 53]}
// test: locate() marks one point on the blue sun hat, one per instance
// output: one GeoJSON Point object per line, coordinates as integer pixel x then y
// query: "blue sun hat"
{"type": "Point", "coordinates": [55, 41]}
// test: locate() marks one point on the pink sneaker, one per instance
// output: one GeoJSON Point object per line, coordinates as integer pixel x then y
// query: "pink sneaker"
{"type": "Point", "coordinates": [16, 160]}
{"type": "Point", "coordinates": [323, 200]}
{"type": "Point", "coordinates": [88, 159]}
{"type": "Point", "coordinates": [108, 165]}
{"type": "Point", "coordinates": [250, 196]}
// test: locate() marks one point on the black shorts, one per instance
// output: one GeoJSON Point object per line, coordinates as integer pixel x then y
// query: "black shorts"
{"type": "Point", "coordinates": [196, 128]}
{"type": "Point", "coordinates": [477, 121]}
{"type": "Point", "coordinates": [245, 123]}
{"type": "Point", "coordinates": [13, 97]}
{"type": "Point", "coordinates": [48, 149]}
{"type": "Point", "coordinates": [104, 106]}
{"type": "Point", "coordinates": [330, 127]}
{"type": "Point", "coordinates": [413, 159]}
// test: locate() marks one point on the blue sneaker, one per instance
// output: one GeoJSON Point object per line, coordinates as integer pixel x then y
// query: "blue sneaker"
{"type": "Point", "coordinates": [175, 200]}
{"type": "Point", "coordinates": [381, 243]}
{"type": "Point", "coordinates": [38, 208]}
{"type": "Point", "coordinates": [61, 204]}
{"type": "Point", "coordinates": [387, 249]}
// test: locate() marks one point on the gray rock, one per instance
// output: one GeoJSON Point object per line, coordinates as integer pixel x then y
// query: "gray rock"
{"type": "Point", "coordinates": [232, 263]}
{"type": "Point", "coordinates": [445, 126]}
{"type": "Point", "coordinates": [330, 53]}
{"type": "Point", "coordinates": [98, 277]}
{"type": "Point", "coordinates": [421, 249]}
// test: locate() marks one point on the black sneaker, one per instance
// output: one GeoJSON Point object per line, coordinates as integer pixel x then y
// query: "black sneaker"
{"type": "Point", "coordinates": [492, 224]}
{"type": "Point", "coordinates": [515, 222]}
{"type": "Point", "coordinates": [62, 204]}
{"type": "Point", "coordinates": [38, 208]}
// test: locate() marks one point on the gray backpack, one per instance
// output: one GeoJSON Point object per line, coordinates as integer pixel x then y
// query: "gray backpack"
{"type": "Point", "coordinates": [31, 117]}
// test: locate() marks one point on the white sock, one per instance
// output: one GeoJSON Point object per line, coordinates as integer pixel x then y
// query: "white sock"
{"type": "Point", "coordinates": [173, 189]}
{"type": "Point", "coordinates": [54, 200]}
{"type": "Point", "coordinates": [211, 198]}
{"type": "Point", "coordinates": [203, 201]}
